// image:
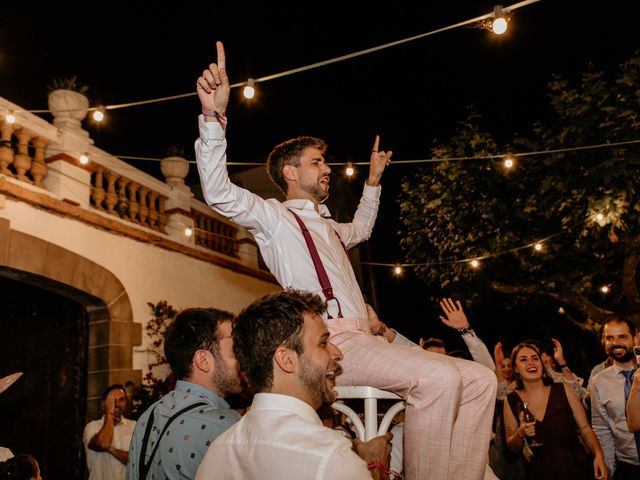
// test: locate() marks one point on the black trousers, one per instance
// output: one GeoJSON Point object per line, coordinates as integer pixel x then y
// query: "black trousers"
{"type": "Point", "coordinates": [626, 471]}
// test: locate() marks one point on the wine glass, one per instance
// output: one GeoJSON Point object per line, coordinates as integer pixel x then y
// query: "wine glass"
{"type": "Point", "coordinates": [526, 416]}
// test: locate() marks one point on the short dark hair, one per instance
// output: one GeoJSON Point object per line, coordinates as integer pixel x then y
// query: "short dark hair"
{"type": "Point", "coordinates": [20, 467]}
{"type": "Point", "coordinates": [618, 319]}
{"type": "Point", "coordinates": [433, 342]}
{"type": "Point", "coordinates": [115, 386]}
{"type": "Point", "coordinates": [535, 346]}
{"type": "Point", "coordinates": [269, 322]}
{"type": "Point", "coordinates": [193, 329]}
{"type": "Point", "coordinates": [289, 153]}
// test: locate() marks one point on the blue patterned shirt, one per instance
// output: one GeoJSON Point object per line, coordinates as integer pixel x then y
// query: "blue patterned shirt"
{"type": "Point", "coordinates": [188, 437]}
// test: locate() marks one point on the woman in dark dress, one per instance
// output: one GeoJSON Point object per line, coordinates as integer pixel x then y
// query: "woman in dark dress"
{"type": "Point", "coordinates": [559, 416]}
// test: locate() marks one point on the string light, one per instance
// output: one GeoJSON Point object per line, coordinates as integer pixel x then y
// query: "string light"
{"type": "Point", "coordinates": [11, 118]}
{"type": "Point", "coordinates": [98, 115]}
{"type": "Point", "coordinates": [604, 289]}
{"type": "Point", "coordinates": [475, 263]}
{"type": "Point", "coordinates": [599, 217]}
{"type": "Point", "coordinates": [561, 311]}
{"type": "Point", "coordinates": [349, 170]}
{"type": "Point", "coordinates": [509, 162]}
{"type": "Point", "coordinates": [397, 270]}
{"type": "Point", "coordinates": [480, 20]}
{"type": "Point", "coordinates": [249, 91]}
{"type": "Point", "coordinates": [84, 158]}
{"type": "Point", "coordinates": [499, 25]}
{"type": "Point", "coordinates": [188, 231]}
{"type": "Point", "coordinates": [538, 247]}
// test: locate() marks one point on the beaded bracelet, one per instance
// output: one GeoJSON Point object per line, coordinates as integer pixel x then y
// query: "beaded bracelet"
{"type": "Point", "coordinates": [213, 114]}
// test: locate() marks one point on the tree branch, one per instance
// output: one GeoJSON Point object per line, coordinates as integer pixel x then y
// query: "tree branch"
{"type": "Point", "coordinates": [579, 302]}
{"type": "Point", "coordinates": [629, 269]}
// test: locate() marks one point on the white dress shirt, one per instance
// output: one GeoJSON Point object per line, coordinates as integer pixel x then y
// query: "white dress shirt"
{"type": "Point", "coordinates": [278, 234]}
{"type": "Point", "coordinates": [103, 465]}
{"type": "Point", "coordinates": [609, 418]}
{"type": "Point", "coordinates": [281, 437]}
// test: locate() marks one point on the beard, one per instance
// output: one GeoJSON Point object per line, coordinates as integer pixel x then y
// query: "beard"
{"type": "Point", "coordinates": [314, 378]}
{"type": "Point", "coordinates": [315, 190]}
{"type": "Point", "coordinates": [621, 356]}
{"type": "Point", "coordinates": [226, 379]}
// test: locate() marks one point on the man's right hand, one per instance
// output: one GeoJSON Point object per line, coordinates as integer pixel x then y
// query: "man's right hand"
{"type": "Point", "coordinates": [376, 449]}
{"type": "Point", "coordinates": [213, 86]}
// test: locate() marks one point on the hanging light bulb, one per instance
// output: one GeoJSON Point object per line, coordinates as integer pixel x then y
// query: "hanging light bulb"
{"type": "Point", "coordinates": [509, 162]}
{"type": "Point", "coordinates": [397, 269]}
{"type": "Point", "coordinates": [499, 24]}
{"type": "Point", "coordinates": [188, 231]}
{"type": "Point", "coordinates": [98, 115]}
{"type": "Point", "coordinates": [604, 289]}
{"type": "Point", "coordinates": [538, 247]}
{"type": "Point", "coordinates": [349, 170]}
{"type": "Point", "coordinates": [84, 158]}
{"type": "Point", "coordinates": [11, 118]}
{"type": "Point", "coordinates": [561, 311]}
{"type": "Point", "coordinates": [249, 90]}
{"type": "Point", "coordinates": [475, 263]}
{"type": "Point", "coordinates": [599, 217]}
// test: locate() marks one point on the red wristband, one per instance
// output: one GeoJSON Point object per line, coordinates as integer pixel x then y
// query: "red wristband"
{"type": "Point", "coordinates": [377, 464]}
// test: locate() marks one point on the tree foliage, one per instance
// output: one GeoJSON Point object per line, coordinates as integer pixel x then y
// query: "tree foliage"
{"type": "Point", "coordinates": [475, 208]}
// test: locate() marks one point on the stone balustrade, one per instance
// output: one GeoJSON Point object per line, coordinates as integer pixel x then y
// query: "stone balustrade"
{"type": "Point", "coordinates": [46, 156]}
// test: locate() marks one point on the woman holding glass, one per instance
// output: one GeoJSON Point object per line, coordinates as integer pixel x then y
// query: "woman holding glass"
{"type": "Point", "coordinates": [549, 440]}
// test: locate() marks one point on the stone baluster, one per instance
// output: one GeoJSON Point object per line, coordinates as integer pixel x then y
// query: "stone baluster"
{"type": "Point", "coordinates": [97, 191]}
{"type": "Point", "coordinates": [144, 210]}
{"type": "Point", "coordinates": [22, 160]}
{"type": "Point", "coordinates": [112, 196]}
{"type": "Point", "coordinates": [38, 168]}
{"type": "Point", "coordinates": [162, 217]}
{"type": "Point", "coordinates": [153, 213]}
{"type": "Point", "coordinates": [6, 150]}
{"type": "Point", "coordinates": [134, 207]}
{"type": "Point", "coordinates": [200, 229]}
{"type": "Point", "coordinates": [121, 208]}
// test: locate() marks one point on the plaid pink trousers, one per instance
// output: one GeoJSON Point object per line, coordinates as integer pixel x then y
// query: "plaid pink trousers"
{"type": "Point", "coordinates": [450, 401]}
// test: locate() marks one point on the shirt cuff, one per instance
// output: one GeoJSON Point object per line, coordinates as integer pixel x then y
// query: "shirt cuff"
{"type": "Point", "coordinates": [372, 192]}
{"type": "Point", "coordinates": [210, 130]}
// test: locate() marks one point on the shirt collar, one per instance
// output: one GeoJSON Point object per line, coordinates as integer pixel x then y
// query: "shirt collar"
{"type": "Point", "coordinates": [618, 369]}
{"type": "Point", "coordinates": [191, 388]}
{"type": "Point", "coordinates": [303, 204]}
{"type": "Point", "coordinates": [276, 401]}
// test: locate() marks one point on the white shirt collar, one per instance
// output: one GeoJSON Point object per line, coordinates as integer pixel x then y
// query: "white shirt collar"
{"type": "Point", "coordinates": [276, 401]}
{"type": "Point", "coordinates": [303, 204]}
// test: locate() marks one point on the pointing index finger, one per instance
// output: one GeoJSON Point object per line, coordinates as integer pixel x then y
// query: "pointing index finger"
{"type": "Point", "coordinates": [221, 57]}
{"type": "Point", "coordinates": [376, 143]}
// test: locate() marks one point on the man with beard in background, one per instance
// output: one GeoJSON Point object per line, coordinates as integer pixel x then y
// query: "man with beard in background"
{"type": "Point", "coordinates": [609, 390]}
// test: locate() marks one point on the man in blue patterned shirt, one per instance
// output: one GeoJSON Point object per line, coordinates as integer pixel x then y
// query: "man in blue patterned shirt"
{"type": "Point", "coordinates": [199, 348]}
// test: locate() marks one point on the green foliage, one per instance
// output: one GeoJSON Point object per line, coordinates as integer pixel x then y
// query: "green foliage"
{"type": "Point", "coordinates": [466, 209]}
{"type": "Point", "coordinates": [68, 83]}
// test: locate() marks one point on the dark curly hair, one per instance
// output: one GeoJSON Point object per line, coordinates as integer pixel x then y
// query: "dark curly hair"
{"type": "Point", "coordinates": [269, 322]}
{"type": "Point", "coordinates": [289, 153]}
{"type": "Point", "coordinates": [21, 467]}
{"type": "Point", "coordinates": [193, 329]}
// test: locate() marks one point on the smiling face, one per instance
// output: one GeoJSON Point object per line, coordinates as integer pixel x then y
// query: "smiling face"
{"type": "Point", "coordinates": [319, 362]}
{"type": "Point", "coordinates": [618, 342]}
{"type": "Point", "coordinates": [313, 175]}
{"type": "Point", "coordinates": [528, 364]}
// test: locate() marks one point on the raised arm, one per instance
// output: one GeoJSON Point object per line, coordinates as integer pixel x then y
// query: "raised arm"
{"type": "Point", "coordinates": [231, 201]}
{"type": "Point", "coordinates": [456, 319]}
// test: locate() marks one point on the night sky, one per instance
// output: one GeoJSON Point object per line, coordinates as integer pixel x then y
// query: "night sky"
{"type": "Point", "coordinates": [410, 94]}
